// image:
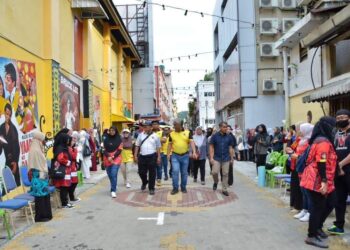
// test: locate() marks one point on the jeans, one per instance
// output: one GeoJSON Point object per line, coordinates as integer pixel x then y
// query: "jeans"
{"type": "Point", "coordinates": [180, 165]}
{"type": "Point", "coordinates": [165, 165]}
{"type": "Point", "coordinates": [306, 199]}
{"type": "Point", "coordinates": [112, 173]}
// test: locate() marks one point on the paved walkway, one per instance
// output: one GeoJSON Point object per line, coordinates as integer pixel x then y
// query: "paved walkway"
{"type": "Point", "coordinates": [251, 218]}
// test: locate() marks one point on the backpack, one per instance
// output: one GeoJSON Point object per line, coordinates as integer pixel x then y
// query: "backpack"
{"type": "Point", "coordinates": [301, 162]}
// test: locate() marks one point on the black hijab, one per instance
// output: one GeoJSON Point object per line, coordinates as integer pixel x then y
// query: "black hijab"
{"type": "Point", "coordinates": [112, 143]}
{"type": "Point", "coordinates": [63, 145]}
{"type": "Point", "coordinates": [58, 138]}
{"type": "Point", "coordinates": [325, 127]}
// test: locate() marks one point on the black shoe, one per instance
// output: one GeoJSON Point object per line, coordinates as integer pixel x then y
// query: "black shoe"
{"type": "Point", "coordinates": [194, 180]}
{"type": "Point", "coordinates": [151, 192]}
{"type": "Point", "coordinates": [225, 193]}
{"type": "Point", "coordinates": [174, 191]}
{"type": "Point", "coordinates": [215, 186]}
{"type": "Point", "coordinates": [184, 190]}
{"type": "Point", "coordinates": [322, 234]}
{"type": "Point", "coordinates": [166, 178]}
{"type": "Point", "coordinates": [143, 187]}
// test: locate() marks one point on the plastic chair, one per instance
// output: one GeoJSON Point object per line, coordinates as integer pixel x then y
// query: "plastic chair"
{"type": "Point", "coordinates": [270, 174]}
{"type": "Point", "coordinates": [14, 205]}
{"type": "Point", "coordinates": [11, 186]}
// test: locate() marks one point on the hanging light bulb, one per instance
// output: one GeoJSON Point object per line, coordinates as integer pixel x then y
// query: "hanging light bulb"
{"type": "Point", "coordinates": [163, 7]}
{"type": "Point", "coordinates": [144, 4]}
{"type": "Point", "coordinates": [202, 14]}
{"type": "Point", "coordinates": [186, 12]}
{"type": "Point", "coordinates": [222, 19]}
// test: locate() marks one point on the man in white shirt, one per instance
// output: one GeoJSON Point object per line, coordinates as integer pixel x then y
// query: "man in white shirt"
{"type": "Point", "coordinates": [148, 144]}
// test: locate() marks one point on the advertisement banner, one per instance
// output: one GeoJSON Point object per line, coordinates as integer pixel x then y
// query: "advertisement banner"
{"type": "Point", "coordinates": [18, 112]}
{"type": "Point", "coordinates": [69, 104]}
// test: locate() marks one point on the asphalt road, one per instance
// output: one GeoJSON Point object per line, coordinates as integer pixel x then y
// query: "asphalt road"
{"type": "Point", "coordinates": [250, 218]}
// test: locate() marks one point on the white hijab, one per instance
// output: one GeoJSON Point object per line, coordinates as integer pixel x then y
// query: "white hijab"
{"type": "Point", "coordinates": [36, 156]}
{"type": "Point", "coordinates": [306, 130]}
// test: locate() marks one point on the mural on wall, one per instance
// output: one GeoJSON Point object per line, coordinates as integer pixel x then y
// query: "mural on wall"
{"type": "Point", "coordinates": [127, 109]}
{"type": "Point", "coordinates": [97, 112]}
{"type": "Point", "coordinates": [69, 104]}
{"type": "Point", "coordinates": [18, 112]}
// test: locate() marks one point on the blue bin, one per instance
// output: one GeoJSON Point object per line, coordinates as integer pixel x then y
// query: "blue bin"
{"type": "Point", "coordinates": [261, 176]}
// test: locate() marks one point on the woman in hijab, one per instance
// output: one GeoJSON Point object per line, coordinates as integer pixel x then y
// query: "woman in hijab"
{"type": "Point", "coordinates": [39, 188]}
{"type": "Point", "coordinates": [84, 154]}
{"type": "Point", "coordinates": [305, 133]}
{"type": "Point", "coordinates": [262, 144]}
{"type": "Point", "coordinates": [112, 157]}
{"type": "Point", "coordinates": [200, 142]}
{"type": "Point", "coordinates": [73, 151]}
{"type": "Point", "coordinates": [92, 144]}
{"type": "Point", "coordinates": [63, 158]}
{"type": "Point", "coordinates": [127, 156]}
{"type": "Point", "coordinates": [318, 179]}
{"type": "Point", "coordinates": [277, 141]}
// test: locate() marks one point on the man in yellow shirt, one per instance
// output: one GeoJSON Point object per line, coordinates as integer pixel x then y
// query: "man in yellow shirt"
{"type": "Point", "coordinates": [180, 141]}
{"type": "Point", "coordinates": [165, 143]}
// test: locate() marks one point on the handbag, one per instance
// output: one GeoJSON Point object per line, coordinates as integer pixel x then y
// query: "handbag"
{"type": "Point", "coordinates": [87, 151]}
{"type": "Point", "coordinates": [57, 170]}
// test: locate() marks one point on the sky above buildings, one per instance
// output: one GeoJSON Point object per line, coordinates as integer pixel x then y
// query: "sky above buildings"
{"type": "Point", "coordinates": [178, 35]}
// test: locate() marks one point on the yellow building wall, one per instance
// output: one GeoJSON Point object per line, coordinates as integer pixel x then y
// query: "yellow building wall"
{"type": "Point", "coordinates": [298, 109]}
{"type": "Point", "coordinates": [43, 79]}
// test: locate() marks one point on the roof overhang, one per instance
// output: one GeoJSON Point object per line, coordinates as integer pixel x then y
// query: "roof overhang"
{"type": "Point", "coordinates": [338, 86]}
{"type": "Point", "coordinates": [90, 9]}
{"type": "Point", "coordinates": [119, 30]}
{"type": "Point", "coordinates": [330, 29]}
{"type": "Point", "coordinates": [300, 30]}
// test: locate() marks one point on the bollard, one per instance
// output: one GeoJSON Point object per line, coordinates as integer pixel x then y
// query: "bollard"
{"type": "Point", "coordinates": [261, 176]}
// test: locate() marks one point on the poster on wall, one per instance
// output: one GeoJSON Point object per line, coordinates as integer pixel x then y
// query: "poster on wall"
{"type": "Point", "coordinates": [69, 104]}
{"type": "Point", "coordinates": [18, 112]}
{"type": "Point", "coordinates": [97, 113]}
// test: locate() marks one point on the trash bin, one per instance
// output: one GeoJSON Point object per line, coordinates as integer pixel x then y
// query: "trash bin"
{"type": "Point", "coordinates": [80, 178]}
{"type": "Point", "coordinates": [261, 176]}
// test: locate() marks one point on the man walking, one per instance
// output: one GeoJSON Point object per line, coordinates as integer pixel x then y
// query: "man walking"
{"type": "Point", "coordinates": [179, 142]}
{"type": "Point", "coordinates": [221, 151]}
{"type": "Point", "coordinates": [342, 179]}
{"type": "Point", "coordinates": [148, 144]}
{"type": "Point", "coordinates": [156, 129]}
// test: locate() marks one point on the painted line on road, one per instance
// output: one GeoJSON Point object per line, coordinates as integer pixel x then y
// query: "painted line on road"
{"type": "Point", "coordinates": [159, 219]}
{"type": "Point", "coordinates": [130, 196]}
{"type": "Point", "coordinates": [219, 196]}
{"type": "Point", "coordinates": [199, 196]}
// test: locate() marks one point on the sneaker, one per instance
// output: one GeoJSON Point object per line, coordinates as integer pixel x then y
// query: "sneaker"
{"type": "Point", "coordinates": [159, 183]}
{"type": "Point", "coordinates": [151, 192]}
{"type": "Point", "coordinates": [128, 185]}
{"type": "Point", "coordinates": [335, 230]}
{"type": "Point", "coordinates": [317, 242]}
{"type": "Point", "coordinates": [225, 193]}
{"type": "Point", "coordinates": [300, 215]}
{"type": "Point", "coordinates": [194, 180]}
{"type": "Point", "coordinates": [184, 190]}
{"type": "Point", "coordinates": [68, 206]}
{"type": "Point", "coordinates": [114, 195]}
{"type": "Point", "coordinates": [305, 218]}
{"type": "Point", "coordinates": [322, 234]}
{"type": "Point", "coordinates": [215, 186]}
{"type": "Point", "coordinates": [76, 200]}
{"type": "Point", "coordinates": [174, 191]}
{"type": "Point", "coordinates": [203, 183]}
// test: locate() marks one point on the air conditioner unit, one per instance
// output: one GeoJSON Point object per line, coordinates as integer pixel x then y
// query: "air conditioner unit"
{"type": "Point", "coordinates": [268, 3]}
{"type": "Point", "coordinates": [268, 50]}
{"type": "Point", "coordinates": [289, 4]}
{"type": "Point", "coordinates": [269, 26]}
{"type": "Point", "coordinates": [269, 85]}
{"type": "Point", "coordinates": [288, 23]}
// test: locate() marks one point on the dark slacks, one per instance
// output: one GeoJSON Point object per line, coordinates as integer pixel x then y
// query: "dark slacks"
{"type": "Point", "coordinates": [71, 191]}
{"type": "Point", "coordinates": [342, 187]}
{"type": "Point", "coordinates": [148, 165]}
{"type": "Point", "coordinates": [296, 196]}
{"type": "Point", "coordinates": [43, 210]}
{"type": "Point", "coordinates": [64, 195]}
{"type": "Point", "coordinates": [260, 161]}
{"type": "Point", "coordinates": [199, 164]}
{"type": "Point", "coordinates": [321, 207]}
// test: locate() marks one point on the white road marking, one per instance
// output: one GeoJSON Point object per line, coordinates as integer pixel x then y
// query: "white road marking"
{"type": "Point", "coordinates": [199, 196]}
{"type": "Point", "coordinates": [219, 196]}
{"type": "Point", "coordinates": [159, 219]}
{"type": "Point", "coordinates": [130, 196]}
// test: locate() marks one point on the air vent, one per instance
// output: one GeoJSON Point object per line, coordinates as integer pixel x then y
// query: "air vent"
{"type": "Point", "coordinates": [289, 4]}
{"type": "Point", "coordinates": [269, 26]}
{"type": "Point", "coordinates": [268, 3]}
{"type": "Point", "coordinates": [269, 85]}
{"type": "Point", "coordinates": [288, 23]}
{"type": "Point", "coordinates": [268, 50]}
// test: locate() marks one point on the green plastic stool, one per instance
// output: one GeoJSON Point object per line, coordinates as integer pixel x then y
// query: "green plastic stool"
{"type": "Point", "coordinates": [6, 223]}
{"type": "Point", "coordinates": [80, 179]}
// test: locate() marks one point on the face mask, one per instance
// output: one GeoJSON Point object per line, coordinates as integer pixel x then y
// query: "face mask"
{"type": "Point", "coordinates": [342, 123]}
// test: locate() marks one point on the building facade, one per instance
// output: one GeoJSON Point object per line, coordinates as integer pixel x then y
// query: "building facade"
{"type": "Point", "coordinates": [248, 70]}
{"type": "Point", "coordinates": [205, 103]}
{"type": "Point", "coordinates": [319, 69]}
{"type": "Point", "coordinates": [64, 64]}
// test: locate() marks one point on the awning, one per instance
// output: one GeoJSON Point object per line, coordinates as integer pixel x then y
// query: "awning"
{"type": "Point", "coordinates": [120, 118]}
{"type": "Point", "coordinates": [336, 88]}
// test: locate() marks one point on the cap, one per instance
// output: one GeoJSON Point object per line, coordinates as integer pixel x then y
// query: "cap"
{"type": "Point", "coordinates": [343, 112]}
{"type": "Point", "coordinates": [147, 123]}
{"type": "Point", "coordinates": [125, 130]}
